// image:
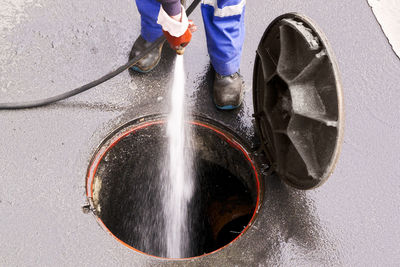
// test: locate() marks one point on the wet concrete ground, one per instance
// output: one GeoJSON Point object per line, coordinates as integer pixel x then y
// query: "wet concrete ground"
{"type": "Point", "coordinates": [48, 47]}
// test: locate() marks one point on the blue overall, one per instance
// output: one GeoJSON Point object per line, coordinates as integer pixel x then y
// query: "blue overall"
{"type": "Point", "coordinates": [224, 25]}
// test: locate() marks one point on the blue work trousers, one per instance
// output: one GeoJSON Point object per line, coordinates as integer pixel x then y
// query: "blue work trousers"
{"type": "Point", "coordinates": [224, 25]}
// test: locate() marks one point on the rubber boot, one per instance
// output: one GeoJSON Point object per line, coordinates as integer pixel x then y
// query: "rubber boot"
{"type": "Point", "coordinates": [148, 62]}
{"type": "Point", "coordinates": [228, 91]}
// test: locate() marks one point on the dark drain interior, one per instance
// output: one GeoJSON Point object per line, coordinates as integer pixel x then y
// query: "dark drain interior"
{"type": "Point", "coordinates": [126, 188]}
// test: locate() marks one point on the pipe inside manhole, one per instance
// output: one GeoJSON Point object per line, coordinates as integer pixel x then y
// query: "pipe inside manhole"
{"type": "Point", "coordinates": [123, 186]}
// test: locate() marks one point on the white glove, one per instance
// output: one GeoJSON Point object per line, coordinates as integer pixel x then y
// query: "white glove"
{"type": "Point", "coordinates": [168, 24]}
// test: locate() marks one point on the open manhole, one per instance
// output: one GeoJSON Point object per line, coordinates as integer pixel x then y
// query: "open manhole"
{"type": "Point", "coordinates": [125, 189]}
{"type": "Point", "coordinates": [298, 110]}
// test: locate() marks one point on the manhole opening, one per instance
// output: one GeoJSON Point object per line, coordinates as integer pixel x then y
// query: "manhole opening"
{"type": "Point", "coordinates": [125, 190]}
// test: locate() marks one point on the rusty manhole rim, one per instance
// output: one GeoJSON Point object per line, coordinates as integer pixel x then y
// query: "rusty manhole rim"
{"type": "Point", "coordinates": [146, 121]}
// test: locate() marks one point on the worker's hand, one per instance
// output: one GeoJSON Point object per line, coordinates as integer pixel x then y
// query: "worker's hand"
{"type": "Point", "coordinates": [183, 40]}
{"type": "Point", "coordinates": [177, 29]}
{"type": "Point", "coordinates": [192, 27]}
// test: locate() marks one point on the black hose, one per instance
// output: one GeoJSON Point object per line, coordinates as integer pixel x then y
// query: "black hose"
{"type": "Point", "coordinates": [53, 99]}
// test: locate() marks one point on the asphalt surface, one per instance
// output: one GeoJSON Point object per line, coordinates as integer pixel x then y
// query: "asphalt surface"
{"type": "Point", "coordinates": [48, 47]}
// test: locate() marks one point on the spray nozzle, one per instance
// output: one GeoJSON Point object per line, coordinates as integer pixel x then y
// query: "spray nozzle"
{"type": "Point", "coordinates": [180, 50]}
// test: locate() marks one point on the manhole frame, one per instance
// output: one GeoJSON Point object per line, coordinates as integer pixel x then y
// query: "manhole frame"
{"type": "Point", "coordinates": [232, 138]}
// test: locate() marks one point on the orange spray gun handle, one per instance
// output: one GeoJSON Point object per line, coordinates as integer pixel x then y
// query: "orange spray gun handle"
{"type": "Point", "coordinates": [178, 43]}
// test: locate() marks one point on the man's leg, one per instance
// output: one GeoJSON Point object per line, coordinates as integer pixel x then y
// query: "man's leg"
{"type": "Point", "coordinates": [224, 24]}
{"type": "Point", "coordinates": [149, 10]}
{"type": "Point", "coordinates": [150, 31]}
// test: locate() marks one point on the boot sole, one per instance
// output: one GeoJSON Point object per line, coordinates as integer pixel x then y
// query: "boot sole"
{"type": "Point", "coordinates": [228, 107]}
